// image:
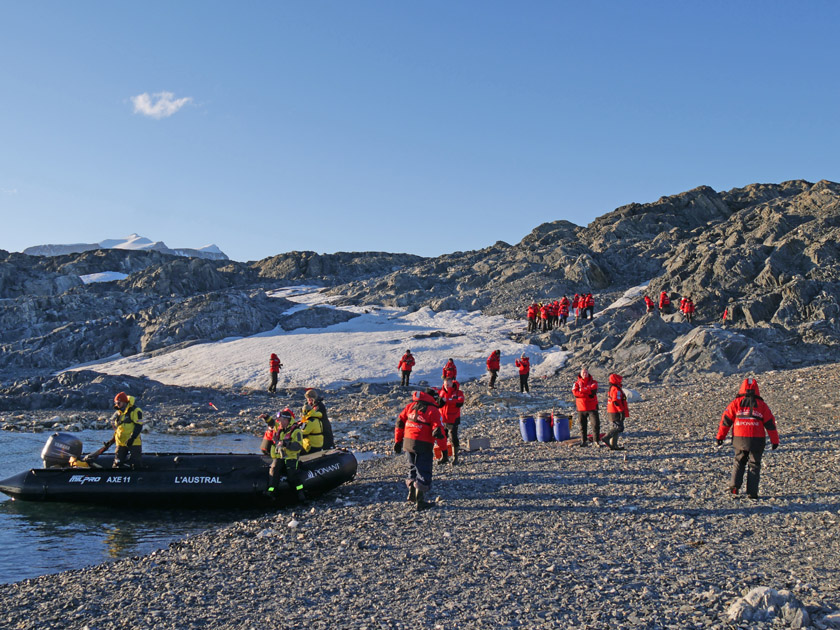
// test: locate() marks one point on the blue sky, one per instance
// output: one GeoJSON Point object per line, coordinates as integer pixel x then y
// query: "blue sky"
{"type": "Point", "coordinates": [422, 127]}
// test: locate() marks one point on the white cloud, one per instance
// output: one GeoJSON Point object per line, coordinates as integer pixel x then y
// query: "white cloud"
{"type": "Point", "coordinates": [9, 191]}
{"type": "Point", "coordinates": [158, 105]}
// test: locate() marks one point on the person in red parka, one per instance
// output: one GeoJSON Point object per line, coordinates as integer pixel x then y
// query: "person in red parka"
{"type": "Point", "coordinates": [589, 306]}
{"type": "Point", "coordinates": [405, 365]}
{"type": "Point", "coordinates": [493, 366]}
{"type": "Point", "coordinates": [576, 306]}
{"type": "Point", "coordinates": [585, 390]}
{"type": "Point", "coordinates": [751, 421]}
{"type": "Point", "coordinates": [449, 370]}
{"type": "Point", "coordinates": [532, 317]}
{"type": "Point", "coordinates": [274, 366]}
{"type": "Point", "coordinates": [649, 304]}
{"type": "Point", "coordinates": [524, 365]}
{"type": "Point", "coordinates": [452, 399]}
{"type": "Point", "coordinates": [418, 427]}
{"type": "Point", "coordinates": [617, 412]}
{"type": "Point", "coordinates": [664, 302]}
{"type": "Point", "coordinates": [563, 313]}
{"type": "Point", "coordinates": [688, 309]}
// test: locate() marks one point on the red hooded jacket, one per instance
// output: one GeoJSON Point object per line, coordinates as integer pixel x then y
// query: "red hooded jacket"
{"type": "Point", "coordinates": [749, 416]}
{"type": "Point", "coordinates": [274, 363]}
{"type": "Point", "coordinates": [419, 425]}
{"type": "Point", "coordinates": [616, 400]}
{"type": "Point", "coordinates": [449, 370]}
{"type": "Point", "coordinates": [453, 400]}
{"type": "Point", "coordinates": [586, 394]}
{"type": "Point", "coordinates": [493, 361]}
{"type": "Point", "coordinates": [524, 365]}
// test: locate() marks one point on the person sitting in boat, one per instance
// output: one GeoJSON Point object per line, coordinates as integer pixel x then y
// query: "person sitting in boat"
{"type": "Point", "coordinates": [268, 436]}
{"type": "Point", "coordinates": [286, 448]}
{"type": "Point", "coordinates": [313, 431]}
{"type": "Point", "coordinates": [127, 428]}
{"type": "Point", "coordinates": [314, 400]}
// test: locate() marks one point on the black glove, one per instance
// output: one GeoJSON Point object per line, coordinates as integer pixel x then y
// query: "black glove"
{"type": "Point", "coordinates": [398, 447]}
{"type": "Point", "coordinates": [438, 433]}
{"type": "Point", "coordinates": [773, 447]}
{"type": "Point", "coordinates": [720, 442]}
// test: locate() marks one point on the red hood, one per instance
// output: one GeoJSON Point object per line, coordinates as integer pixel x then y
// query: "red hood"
{"type": "Point", "coordinates": [423, 397]}
{"type": "Point", "coordinates": [615, 379]}
{"type": "Point", "coordinates": [274, 356]}
{"type": "Point", "coordinates": [749, 385]}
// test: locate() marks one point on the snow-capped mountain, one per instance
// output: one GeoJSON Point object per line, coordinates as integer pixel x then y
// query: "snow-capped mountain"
{"type": "Point", "coordinates": [134, 241]}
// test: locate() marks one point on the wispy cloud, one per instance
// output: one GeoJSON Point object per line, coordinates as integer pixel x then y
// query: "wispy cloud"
{"type": "Point", "coordinates": [158, 105]}
{"type": "Point", "coordinates": [9, 191]}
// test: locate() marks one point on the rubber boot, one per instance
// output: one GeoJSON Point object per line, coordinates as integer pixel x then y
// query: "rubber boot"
{"type": "Point", "coordinates": [412, 492]}
{"type": "Point", "coordinates": [455, 457]}
{"type": "Point", "coordinates": [443, 459]}
{"type": "Point", "coordinates": [301, 496]}
{"type": "Point", "coordinates": [422, 504]}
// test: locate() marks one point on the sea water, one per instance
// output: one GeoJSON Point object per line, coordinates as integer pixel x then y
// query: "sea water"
{"type": "Point", "coordinates": [40, 538]}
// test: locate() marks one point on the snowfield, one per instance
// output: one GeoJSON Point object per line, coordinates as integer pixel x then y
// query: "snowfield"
{"type": "Point", "coordinates": [366, 348]}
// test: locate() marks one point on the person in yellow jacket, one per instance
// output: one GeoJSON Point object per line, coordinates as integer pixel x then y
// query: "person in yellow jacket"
{"type": "Point", "coordinates": [286, 449]}
{"type": "Point", "coordinates": [127, 427]}
{"type": "Point", "coordinates": [313, 431]}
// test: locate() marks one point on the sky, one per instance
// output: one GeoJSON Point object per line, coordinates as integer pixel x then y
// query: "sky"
{"type": "Point", "coordinates": [424, 127]}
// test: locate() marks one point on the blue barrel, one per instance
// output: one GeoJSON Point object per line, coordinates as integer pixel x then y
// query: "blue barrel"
{"type": "Point", "coordinates": [561, 428]}
{"type": "Point", "coordinates": [543, 424]}
{"type": "Point", "coordinates": [526, 426]}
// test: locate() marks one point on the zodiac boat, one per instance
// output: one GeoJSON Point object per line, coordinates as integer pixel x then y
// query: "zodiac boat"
{"type": "Point", "coordinates": [172, 479]}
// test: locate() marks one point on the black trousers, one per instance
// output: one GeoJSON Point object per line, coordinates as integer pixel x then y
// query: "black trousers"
{"type": "Point", "coordinates": [523, 383]}
{"type": "Point", "coordinates": [128, 456]}
{"type": "Point", "coordinates": [289, 467]}
{"type": "Point", "coordinates": [493, 375]}
{"type": "Point", "coordinates": [616, 427]}
{"type": "Point", "coordinates": [273, 386]}
{"type": "Point", "coordinates": [596, 424]}
{"type": "Point", "coordinates": [748, 461]}
{"type": "Point", "coordinates": [451, 431]}
{"type": "Point", "coordinates": [405, 376]}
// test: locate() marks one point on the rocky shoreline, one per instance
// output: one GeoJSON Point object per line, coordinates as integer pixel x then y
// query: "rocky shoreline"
{"type": "Point", "coordinates": [524, 535]}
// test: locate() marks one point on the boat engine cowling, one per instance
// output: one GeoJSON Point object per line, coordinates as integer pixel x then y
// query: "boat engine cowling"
{"type": "Point", "coordinates": [58, 450]}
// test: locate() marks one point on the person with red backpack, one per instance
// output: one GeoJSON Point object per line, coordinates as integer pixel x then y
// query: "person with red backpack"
{"type": "Point", "coordinates": [751, 422]}
{"type": "Point", "coordinates": [664, 302]}
{"type": "Point", "coordinates": [589, 306]}
{"type": "Point", "coordinates": [418, 428]}
{"type": "Point", "coordinates": [493, 366]}
{"type": "Point", "coordinates": [274, 366]}
{"type": "Point", "coordinates": [524, 365]}
{"type": "Point", "coordinates": [452, 399]}
{"type": "Point", "coordinates": [650, 305]}
{"type": "Point", "coordinates": [585, 391]}
{"type": "Point", "coordinates": [617, 412]}
{"type": "Point", "coordinates": [405, 365]}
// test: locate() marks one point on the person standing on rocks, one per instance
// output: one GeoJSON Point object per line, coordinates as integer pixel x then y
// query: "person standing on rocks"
{"type": "Point", "coordinates": [315, 401]}
{"type": "Point", "coordinates": [617, 412]}
{"type": "Point", "coordinates": [286, 449]}
{"type": "Point", "coordinates": [524, 365]}
{"type": "Point", "coordinates": [650, 305]}
{"type": "Point", "coordinates": [576, 307]}
{"type": "Point", "coordinates": [687, 308]}
{"type": "Point", "coordinates": [418, 427]}
{"type": "Point", "coordinates": [452, 399]}
{"type": "Point", "coordinates": [589, 306]}
{"type": "Point", "coordinates": [563, 310]}
{"type": "Point", "coordinates": [664, 302]}
{"type": "Point", "coordinates": [449, 370]}
{"type": "Point", "coordinates": [493, 366]}
{"type": "Point", "coordinates": [751, 421]}
{"type": "Point", "coordinates": [532, 317]}
{"type": "Point", "coordinates": [274, 366]}
{"type": "Point", "coordinates": [405, 365]}
{"type": "Point", "coordinates": [585, 391]}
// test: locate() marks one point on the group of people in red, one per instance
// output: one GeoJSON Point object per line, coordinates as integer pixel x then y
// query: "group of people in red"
{"type": "Point", "coordinates": [428, 422]}
{"type": "Point", "coordinates": [585, 391]}
{"type": "Point", "coordinates": [665, 306]}
{"type": "Point", "coordinates": [523, 364]}
{"type": "Point", "coordinates": [549, 315]}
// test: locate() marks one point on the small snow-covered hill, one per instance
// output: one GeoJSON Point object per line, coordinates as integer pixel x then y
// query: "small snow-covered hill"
{"type": "Point", "coordinates": [132, 242]}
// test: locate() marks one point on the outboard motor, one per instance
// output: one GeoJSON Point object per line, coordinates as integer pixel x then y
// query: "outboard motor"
{"type": "Point", "coordinates": [58, 450]}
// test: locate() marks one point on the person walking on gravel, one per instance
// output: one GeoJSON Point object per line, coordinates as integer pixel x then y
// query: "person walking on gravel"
{"type": "Point", "coordinates": [585, 391]}
{"type": "Point", "coordinates": [418, 427]}
{"type": "Point", "coordinates": [751, 421]}
{"type": "Point", "coordinates": [452, 399]}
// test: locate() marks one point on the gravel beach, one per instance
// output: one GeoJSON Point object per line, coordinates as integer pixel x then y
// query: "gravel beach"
{"type": "Point", "coordinates": [530, 535]}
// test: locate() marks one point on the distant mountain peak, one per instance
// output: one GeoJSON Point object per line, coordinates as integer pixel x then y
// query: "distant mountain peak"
{"type": "Point", "coordinates": [132, 242]}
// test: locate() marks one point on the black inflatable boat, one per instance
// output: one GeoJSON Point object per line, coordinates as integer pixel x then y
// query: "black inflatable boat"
{"type": "Point", "coordinates": [172, 479]}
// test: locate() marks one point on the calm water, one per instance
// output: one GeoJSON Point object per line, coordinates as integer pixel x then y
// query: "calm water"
{"type": "Point", "coordinates": [41, 538]}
